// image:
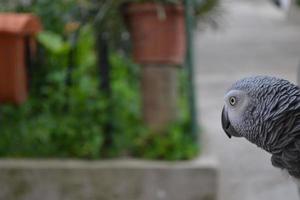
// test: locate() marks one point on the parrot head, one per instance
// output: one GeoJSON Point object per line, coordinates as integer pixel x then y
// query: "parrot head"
{"type": "Point", "coordinates": [258, 108]}
{"type": "Point", "coordinates": [236, 104]}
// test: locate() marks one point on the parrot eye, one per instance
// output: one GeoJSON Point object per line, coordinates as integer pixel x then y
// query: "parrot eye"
{"type": "Point", "coordinates": [232, 101]}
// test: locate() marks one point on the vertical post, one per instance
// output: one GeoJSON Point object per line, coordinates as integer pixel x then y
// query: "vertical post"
{"type": "Point", "coordinates": [189, 17]}
{"type": "Point", "coordinates": [159, 95]}
{"type": "Point", "coordinates": [105, 87]}
{"type": "Point", "coordinates": [104, 68]}
{"type": "Point", "coordinates": [28, 60]}
{"type": "Point", "coordinates": [71, 64]}
{"type": "Point", "coordinates": [70, 67]}
{"type": "Point", "coordinates": [71, 57]}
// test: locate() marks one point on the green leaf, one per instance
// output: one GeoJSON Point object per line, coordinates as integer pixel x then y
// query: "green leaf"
{"type": "Point", "coordinates": [53, 42]}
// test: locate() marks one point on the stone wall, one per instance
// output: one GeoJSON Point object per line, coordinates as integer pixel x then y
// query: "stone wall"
{"type": "Point", "coordinates": [107, 180]}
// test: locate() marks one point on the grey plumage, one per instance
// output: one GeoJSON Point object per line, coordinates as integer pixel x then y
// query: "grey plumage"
{"type": "Point", "coordinates": [266, 111]}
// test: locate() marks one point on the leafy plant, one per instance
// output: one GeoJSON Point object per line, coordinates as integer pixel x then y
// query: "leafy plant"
{"type": "Point", "coordinates": [58, 120]}
{"type": "Point", "coordinates": [66, 113]}
{"type": "Point", "coordinates": [61, 120]}
{"type": "Point", "coordinates": [200, 9]}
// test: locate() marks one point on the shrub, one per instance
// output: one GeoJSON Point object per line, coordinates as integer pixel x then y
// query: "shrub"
{"type": "Point", "coordinates": [67, 114]}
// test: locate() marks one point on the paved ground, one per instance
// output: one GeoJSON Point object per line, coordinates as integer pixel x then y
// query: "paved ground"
{"type": "Point", "coordinates": [255, 39]}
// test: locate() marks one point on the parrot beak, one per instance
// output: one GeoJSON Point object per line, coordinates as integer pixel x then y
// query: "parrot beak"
{"type": "Point", "coordinates": [229, 130]}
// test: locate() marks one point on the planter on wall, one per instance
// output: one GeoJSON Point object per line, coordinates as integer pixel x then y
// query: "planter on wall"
{"type": "Point", "coordinates": [17, 31]}
{"type": "Point", "coordinates": [157, 32]}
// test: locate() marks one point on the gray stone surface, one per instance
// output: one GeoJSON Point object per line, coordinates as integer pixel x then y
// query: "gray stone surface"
{"type": "Point", "coordinates": [293, 13]}
{"type": "Point", "coordinates": [159, 95]}
{"type": "Point", "coordinates": [255, 38]}
{"type": "Point", "coordinates": [108, 180]}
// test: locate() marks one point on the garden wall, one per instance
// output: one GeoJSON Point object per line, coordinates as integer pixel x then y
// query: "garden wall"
{"type": "Point", "coordinates": [108, 180]}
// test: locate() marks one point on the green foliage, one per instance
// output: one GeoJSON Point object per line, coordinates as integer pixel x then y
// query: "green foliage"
{"type": "Point", "coordinates": [298, 2]}
{"type": "Point", "coordinates": [58, 120]}
{"type": "Point", "coordinates": [159, 1]}
{"type": "Point", "coordinates": [201, 7]}
{"type": "Point", "coordinates": [66, 113]}
{"type": "Point", "coordinates": [54, 14]}
{"type": "Point", "coordinates": [173, 143]}
{"type": "Point", "coordinates": [106, 15]}
{"type": "Point", "coordinates": [61, 120]}
{"type": "Point", "coordinates": [131, 136]}
{"type": "Point", "coordinates": [53, 43]}
{"type": "Point", "coordinates": [204, 7]}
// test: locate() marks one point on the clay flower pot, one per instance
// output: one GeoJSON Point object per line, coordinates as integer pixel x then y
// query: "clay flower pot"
{"type": "Point", "coordinates": [157, 32]}
{"type": "Point", "coordinates": [17, 33]}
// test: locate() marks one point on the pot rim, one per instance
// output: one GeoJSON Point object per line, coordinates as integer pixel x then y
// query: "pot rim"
{"type": "Point", "coordinates": [151, 7]}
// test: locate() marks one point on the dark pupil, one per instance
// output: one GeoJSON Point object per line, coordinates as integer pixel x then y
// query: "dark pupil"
{"type": "Point", "coordinates": [232, 100]}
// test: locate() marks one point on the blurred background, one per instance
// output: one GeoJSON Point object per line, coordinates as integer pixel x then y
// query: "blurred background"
{"type": "Point", "coordinates": [254, 38]}
{"type": "Point", "coordinates": [143, 79]}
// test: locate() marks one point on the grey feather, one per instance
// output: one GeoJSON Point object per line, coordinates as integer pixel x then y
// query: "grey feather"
{"type": "Point", "coordinates": [272, 119]}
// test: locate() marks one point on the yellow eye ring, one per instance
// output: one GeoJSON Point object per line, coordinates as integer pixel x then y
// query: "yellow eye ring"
{"type": "Point", "coordinates": [232, 101]}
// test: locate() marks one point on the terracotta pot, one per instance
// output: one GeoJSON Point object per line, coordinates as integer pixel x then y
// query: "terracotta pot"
{"type": "Point", "coordinates": [157, 32]}
{"type": "Point", "coordinates": [15, 29]}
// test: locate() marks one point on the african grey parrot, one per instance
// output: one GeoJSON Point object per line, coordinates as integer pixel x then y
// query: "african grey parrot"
{"type": "Point", "coordinates": [266, 111]}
